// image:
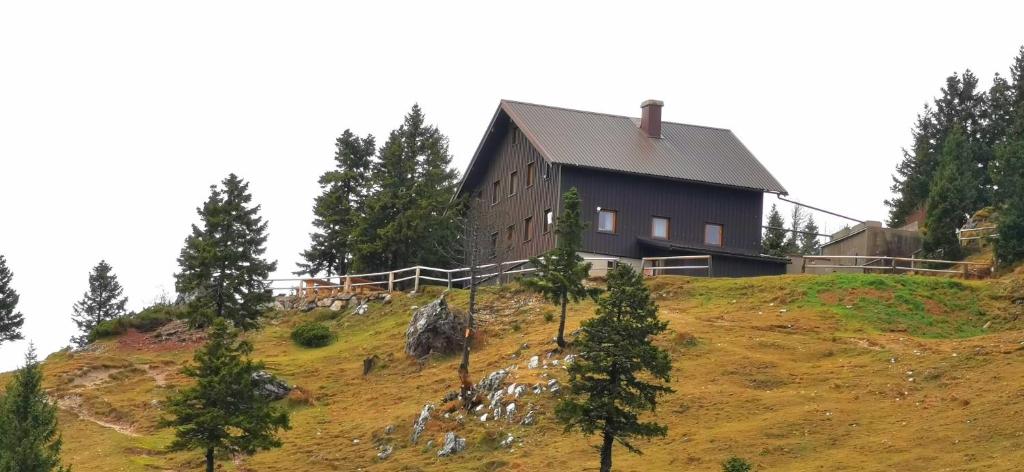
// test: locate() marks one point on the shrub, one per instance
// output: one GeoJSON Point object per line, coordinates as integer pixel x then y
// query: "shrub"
{"type": "Point", "coordinates": [549, 316]}
{"type": "Point", "coordinates": [146, 320]}
{"type": "Point", "coordinates": [735, 464]}
{"type": "Point", "coordinates": [312, 334]}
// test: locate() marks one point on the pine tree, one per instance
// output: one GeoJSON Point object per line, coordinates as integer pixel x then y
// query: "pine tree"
{"type": "Point", "coordinates": [338, 208]}
{"type": "Point", "coordinates": [222, 265]}
{"type": "Point", "coordinates": [10, 320]}
{"type": "Point", "coordinates": [606, 393]}
{"type": "Point", "coordinates": [1009, 245]}
{"type": "Point", "coordinates": [774, 241]}
{"type": "Point", "coordinates": [796, 225]}
{"type": "Point", "coordinates": [29, 438]}
{"type": "Point", "coordinates": [223, 411]}
{"type": "Point", "coordinates": [561, 272]}
{"type": "Point", "coordinates": [103, 301]}
{"type": "Point", "coordinates": [405, 221]}
{"type": "Point", "coordinates": [913, 174]}
{"type": "Point", "coordinates": [809, 244]}
{"type": "Point", "coordinates": [953, 195]}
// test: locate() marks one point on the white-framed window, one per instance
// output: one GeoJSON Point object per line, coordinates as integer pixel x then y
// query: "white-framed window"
{"type": "Point", "coordinates": [607, 221]}
{"type": "Point", "coordinates": [660, 227]}
{"type": "Point", "coordinates": [713, 234]}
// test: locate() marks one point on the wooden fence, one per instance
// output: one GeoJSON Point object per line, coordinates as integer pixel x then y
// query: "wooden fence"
{"type": "Point", "coordinates": [650, 266]}
{"type": "Point", "coordinates": [892, 265]}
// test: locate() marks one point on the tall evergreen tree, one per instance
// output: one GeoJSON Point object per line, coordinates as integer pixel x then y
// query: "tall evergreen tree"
{"type": "Point", "coordinates": [10, 320]}
{"type": "Point", "coordinates": [338, 208]}
{"type": "Point", "coordinates": [412, 183]}
{"type": "Point", "coordinates": [223, 411]}
{"type": "Point", "coordinates": [953, 196]}
{"type": "Point", "coordinates": [606, 390]}
{"type": "Point", "coordinates": [809, 244]}
{"type": "Point", "coordinates": [774, 241]}
{"type": "Point", "coordinates": [561, 272]}
{"type": "Point", "coordinates": [222, 265]}
{"type": "Point", "coordinates": [104, 301]}
{"type": "Point", "coordinates": [29, 438]}
{"type": "Point", "coordinates": [913, 174]}
{"type": "Point", "coordinates": [796, 225]}
{"type": "Point", "coordinates": [1009, 245]}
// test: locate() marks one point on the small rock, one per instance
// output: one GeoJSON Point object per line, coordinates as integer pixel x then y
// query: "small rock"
{"type": "Point", "coordinates": [386, 300]}
{"type": "Point", "coordinates": [324, 303]}
{"type": "Point", "coordinates": [569, 359]}
{"type": "Point", "coordinates": [483, 417]}
{"type": "Point", "coordinates": [478, 408]}
{"type": "Point", "coordinates": [452, 445]}
{"type": "Point", "coordinates": [510, 411]}
{"type": "Point", "coordinates": [519, 391]}
{"type": "Point", "coordinates": [356, 441]}
{"type": "Point", "coordinates": [493, 381]}
{"type": "Point", "coordinates": [421, 422]}
{"type": "Point", "coordinates": [338, 305]}
{"type": "Point", "coordinates": [362, 309]}
{"type": "Point", "coordinates": [534, 363]}
{"type": "Point", "coordinates": [529, 419]}
{"type": "Point", "coordinates": [385, 451]}
{"type": "Point", "coordinates": [389, 429]}
{"type": "Point", "coordinates": [269, 387]}
{"type": "Point", "coordinates": [553, 386]}
{"type": "Point", "coordinates": [508, 441]}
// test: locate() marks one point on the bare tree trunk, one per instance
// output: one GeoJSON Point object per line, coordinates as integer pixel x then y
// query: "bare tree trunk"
{"type": "Point", "coordinates": [209, 459]}
{"type": "Point", "coordinates": [561, 326]}
{"type": "Point", "coordinates": [606, 451]}
{"type": "Point", "coordinates": [466, 391]}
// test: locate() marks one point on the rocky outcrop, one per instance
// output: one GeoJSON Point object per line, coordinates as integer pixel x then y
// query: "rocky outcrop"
{"type": "Point", "coordinates": [452, 445]}
{"type": "Point", "coordinates": [270, 387]}
{"type": "Point", "coordinates": [434, 328]}
{"type": "Point", "coordinates": [421, 423]}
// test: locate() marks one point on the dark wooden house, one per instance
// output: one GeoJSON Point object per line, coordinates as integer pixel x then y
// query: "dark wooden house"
{"type": "Point", "coordinates": [649, 188]}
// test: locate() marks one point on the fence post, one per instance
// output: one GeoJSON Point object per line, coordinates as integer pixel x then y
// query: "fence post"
{"type": "Point", "coordinates": [710, 272]}
{"type": "Point", "coordinates": [416, 281]}
{"type": "Point", "coordinates": [391, 282]}
{"type": "Point", "coordinates": [894, 265]}
{"type": "Point", "coordinates": [348, 284]}
{"type": "Point", "coordinates": [966, 270]}
{"type": "Point", "coordinates": [449, 280]}
{"type": "Point", "coordinates": [803, 265]}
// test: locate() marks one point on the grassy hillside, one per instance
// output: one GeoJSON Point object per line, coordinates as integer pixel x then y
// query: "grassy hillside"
{"type": "Point", "coordinates": [841, 372]}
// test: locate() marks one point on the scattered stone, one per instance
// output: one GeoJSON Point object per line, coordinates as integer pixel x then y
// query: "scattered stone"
{"type": "Point", "coordinates": [553, 386]}
{"type": "Point", "coordinates": [519, 391]}
{"type": "Point", "coordinates": [310, 306]}
{"type": "Point", "coordinates": [510, 411]}
{"type": "Point", "coordinates": [421, 422]}
{"type": "Point", "coordinates": [353, 302]}
{"type": "Point", "coordinates": [534, 363]}
{"type": "Point", "coordinates": [508, 441]}
{"type": "Point", "coordinates": [538, 389]}
{"type": "Point", "coordinates": [478, 408]}
{"type": "Point", "coordinates": [325, 302]}
{"type": "Point", "coordinates": [483, 417]}
{"type": "Point", "coordinates": [268, 386]}
{"type": "Point", "coordinates": [529, 419]}
{"type": "Point", "coordinates": [362, 309]}
{"type": "Point", "coordinates": [430, 444]}
{"type": "Point", "coordinates": [433, 329]}
{"type": "Point", "coordinates": [386, 300]}
{"type": "Point", "coordinates": [389, 429]}
{"type": "Point", "coordinates": [452, 445]}
{"type": "Point", "coordinates": [569, 359]}
{"type": "Point", "coordinates": [493, 381]}
{"type": "Point", "coordinates": [452, 395]}
{"type": "Point", "coordinates": [369, 363]}
{"type": "Point", "coordinates": [385, 451]}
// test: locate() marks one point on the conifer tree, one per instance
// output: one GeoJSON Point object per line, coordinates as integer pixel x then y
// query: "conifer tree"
{"type": "Point", "coordinates": [561, 272]}
{"type": "Point", "coordinates": [223, 412]}
{"type": "Point", "coordinates": [774, 241]}
{"type": "Point", "coordinates": [913, 174]}
{"type": "Point", "coordinates": [606, 391]}
{"type": "Point", "coordinates": [338, 208]}
{"type": "Point", "coordinates": [10, 320]}
{"type": "Point", "coordinates": [29, 438]}
{"type": "Point", "coordinates": [809, 244]}
{"type": "Point", "coordinates": [953, 196]}
{"type": "Point", "coordinates": [222, 265]}
{"type": "Point", "coordinates": [1009, 245]}
{"type": "Point", "coordinates": [796, 225]}
{"type": "Point", "coordinates": [412, 183]}
{"type": "Point", "coordinates": [104, 301]}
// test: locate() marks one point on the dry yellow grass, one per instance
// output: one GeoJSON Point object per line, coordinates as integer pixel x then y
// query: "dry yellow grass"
{"type": "Point", "coordinates": [792, 373]}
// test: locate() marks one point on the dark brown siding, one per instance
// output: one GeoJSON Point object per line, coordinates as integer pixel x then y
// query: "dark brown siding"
{"type": "Point", "coordinates": [512, 154]}
{"type": "Point", "coordinates": [688, 205]}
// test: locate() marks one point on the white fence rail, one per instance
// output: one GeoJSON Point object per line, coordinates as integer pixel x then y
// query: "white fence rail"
{"type": "Point", "coordinates": [892, 265]}
{"type": "Point", "coordinates": [650, 266]}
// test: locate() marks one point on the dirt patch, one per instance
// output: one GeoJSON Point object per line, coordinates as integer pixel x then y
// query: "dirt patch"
{"type": "Point", "coordinates": [933, 307]}
{"type": "Point", "coordinates": [158, 341]}
{"type": "Point", "coordinates": [74, 404]}
{"type": "Point", "coordinates": [93, 377]}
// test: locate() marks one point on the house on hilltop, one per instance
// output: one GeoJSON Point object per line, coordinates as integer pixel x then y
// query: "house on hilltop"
{"type": "Point", "coordinates": [649, 188]}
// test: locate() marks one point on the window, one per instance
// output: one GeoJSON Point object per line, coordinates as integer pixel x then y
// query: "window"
{"type": "Point", "coordinates": [548, 220]}
{"type": "Point", "coordinates": [527, 229]}
{"type": "Point", "coordinates": [547, 171]}
{"type": "Point", "coordinates": [607, 221]}
{"type": "Point", "coordinates": [513, 183]}
{"type": "Point", "coordinates": [530, 177]}
{"type": "Point", "coordinates": [494, 244]}
{"type": "Point", "coordinates": [712, 234]}
{"type": "Point", "coordinates": [659, 227]}
{"type": "Point", "coordinates": [496, 192]}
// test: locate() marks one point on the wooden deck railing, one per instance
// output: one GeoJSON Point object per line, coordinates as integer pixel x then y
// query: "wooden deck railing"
{"type": "Point", "coordinates": [657, 264]}
{"type": "Point", "coordinates": [892, 265]}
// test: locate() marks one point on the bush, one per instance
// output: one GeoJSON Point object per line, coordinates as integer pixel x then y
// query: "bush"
{"type": "Point", "coordinates": [146, 320]}
{"type": "Point", "coordinates": [312, 334]}
{"type": "Point", "coordinates": [735, 464]}
{"type": "Point", "coordinates": [549, 316]}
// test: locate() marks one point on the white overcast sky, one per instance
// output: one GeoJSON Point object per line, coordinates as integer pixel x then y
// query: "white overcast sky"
{"type": "Point", "coordinates": [115, 117]}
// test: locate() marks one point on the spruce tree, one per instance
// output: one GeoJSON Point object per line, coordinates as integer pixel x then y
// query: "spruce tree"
{"type": "Point", "coordinates": [953, 196]}
{"type": "Point", "coordinates": [223, 412]}
{"type": "Point", "coordinates": [405, 219]}
{"type": "Point", "coordinates": [29, 438]}
{"type": "Point", "coordinates": [561, 272]}
{"type": "Point", "coordinates": [809, 244]}
{"type": "Point", "coordinates": [10, 320]}
{"type": "Point", "coordinates": [104, 301]}
{"type": "Point", "coordinates": [606, 391]}
{"type": "Point", "coordinates": [913, 174]}
{"type": "Point", "coordinates": [774, 241]}
{"type": "Point", "coordinates": [796, 225]}
{"type": "Point", "coordinates": [1009, 245]}
{"type": "Point", "coordinates": [338, 208]}
{"type": "Point", "coordinates": [222, 265]}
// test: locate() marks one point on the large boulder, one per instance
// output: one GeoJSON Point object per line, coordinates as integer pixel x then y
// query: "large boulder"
{"type": "Point", "coordinates": [268, 386]}
{"type": "Point", "coordinates": [434, 329]}
{"type": "Point", "coordinates": [452, 445]}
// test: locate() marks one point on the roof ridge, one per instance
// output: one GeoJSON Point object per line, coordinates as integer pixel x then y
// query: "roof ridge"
{"type": "Point", "coordinates": [577, 110]}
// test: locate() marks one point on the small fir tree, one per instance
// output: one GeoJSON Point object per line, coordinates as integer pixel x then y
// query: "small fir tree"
{"type": "Point", "coordinates": [103, 301]}
{"type": "Point", "coordinates": [338, 208]}
{"type": "Point", "coordinates": [774, 241]}
{"type": "Point", "coordinates": [607, 387]}
{"type": "Point", "coordinates": [222, 265]}
{"type": "Point", "coordinates": [796, 225]}
{"type": "Point", "coordinates": [29, 437]}
{"type": "Point", "coordinates": [809, 244]}
{"type": "Point", "coordinates": [561, 272]}
{"type": "Point", "coordinates": [223, 412]}
{"type": "Point", "coordinates": [10, 320]}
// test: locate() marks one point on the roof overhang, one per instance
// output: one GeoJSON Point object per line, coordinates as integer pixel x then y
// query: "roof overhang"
{"type": "Point", "coordinates": [675, 246]}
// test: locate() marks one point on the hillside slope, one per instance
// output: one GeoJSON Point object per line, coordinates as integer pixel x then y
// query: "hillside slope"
{"type": "Point", "coordinates": [839, 372]}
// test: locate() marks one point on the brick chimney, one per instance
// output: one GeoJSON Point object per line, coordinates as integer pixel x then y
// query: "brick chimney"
{"type": "Point", "coordinates": [650, 118]}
